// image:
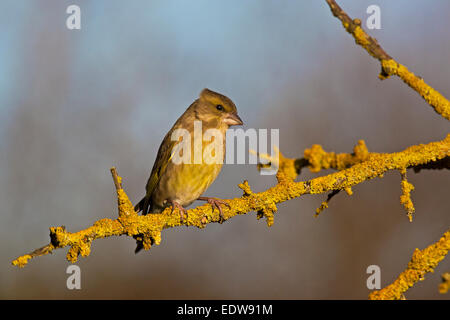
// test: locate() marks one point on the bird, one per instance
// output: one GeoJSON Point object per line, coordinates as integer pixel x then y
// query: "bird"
{"type": "Point", "coordinates": [176, 184]}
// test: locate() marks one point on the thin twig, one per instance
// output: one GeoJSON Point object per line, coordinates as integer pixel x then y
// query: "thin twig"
{"type": "Point", "coordinates": [389, 66]}
{"type": "Point", "coordinates": [116, 179]}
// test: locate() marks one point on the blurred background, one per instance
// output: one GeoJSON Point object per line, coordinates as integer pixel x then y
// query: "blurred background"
{"type": "Point", "coordinates": [73, 103]}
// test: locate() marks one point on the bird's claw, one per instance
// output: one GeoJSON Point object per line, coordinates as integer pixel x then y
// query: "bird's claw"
{"type": "Point", "coordinates": [216, 203]}
{"type": "Point", "coordinates": [180, 208]}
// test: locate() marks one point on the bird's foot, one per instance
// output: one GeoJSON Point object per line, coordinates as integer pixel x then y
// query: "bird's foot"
{"type": "Point", "coordinates": [216, 203]}
{"type": "Point", "coordinates": [180, 208]}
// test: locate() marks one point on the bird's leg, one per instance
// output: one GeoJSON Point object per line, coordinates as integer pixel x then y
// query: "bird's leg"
{"type": "Point", "coordinates": [180, 208]}
{"type": "Point", "coordinates": [216, 203]}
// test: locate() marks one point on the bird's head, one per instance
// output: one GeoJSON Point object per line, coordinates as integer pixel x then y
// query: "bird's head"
{"type": "Point", "coordinates": [213, 106]}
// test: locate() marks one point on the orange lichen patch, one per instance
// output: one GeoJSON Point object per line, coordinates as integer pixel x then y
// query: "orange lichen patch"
{"type": "Point", "coordinates": [422, 262]}
{"type": "Point", "coordinates": [444, 287]}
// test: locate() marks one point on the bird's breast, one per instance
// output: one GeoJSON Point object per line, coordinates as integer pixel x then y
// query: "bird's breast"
{"type": "Point", "coordinates": [184, 183]}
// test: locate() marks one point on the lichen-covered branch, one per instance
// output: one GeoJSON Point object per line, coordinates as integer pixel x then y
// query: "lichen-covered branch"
{"type": "Point", "coordinates": [422, 262]}
{"type": "Point", "coordinates": [389, 66]}
{"type": "Point", "coordinates": [445, 285]}
{"type": "Point", "coordinates": [439, 103]}
{"type": "Point", "coordinates": [363, 166]}
{"type": "Point", "coordinates": [405, 198]}
{"type": "Point", "coordinates": [354, 168]}
{"type": "Point", "coordinates": [317, 159]}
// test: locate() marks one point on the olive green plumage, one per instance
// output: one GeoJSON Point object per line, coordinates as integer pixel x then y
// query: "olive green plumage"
{"type": "Point", "coordinates": [181, 184]}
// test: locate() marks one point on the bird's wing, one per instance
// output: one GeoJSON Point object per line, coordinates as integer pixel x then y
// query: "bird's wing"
{"type": "Point", "coordinates": [161, 162]}
{"type": "Point", "coordinates": [166, 149]}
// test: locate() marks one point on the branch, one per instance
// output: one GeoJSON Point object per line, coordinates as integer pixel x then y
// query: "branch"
{"type": "Point", "coordinates": [422, 262]}
{"type": "Point", "coordinates": [445, 285]}
{"type": "Point", "coordinates": [389, 66]}
{"type": "Point", "coordinates": [426, 260]}
{"type": "Point", "coordinates": [149, 227]}
{"type": "Point", "coordinates": [353, 169]}
{"type": "Point", "coordinates": [317, 159]}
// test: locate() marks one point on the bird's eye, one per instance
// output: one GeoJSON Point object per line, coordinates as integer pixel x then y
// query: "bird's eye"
{"type": "Point", "coordinates": [219, 107]}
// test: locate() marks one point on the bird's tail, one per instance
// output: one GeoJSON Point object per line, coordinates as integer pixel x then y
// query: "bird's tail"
{"type": "Point", "coordinates": [143, 206]}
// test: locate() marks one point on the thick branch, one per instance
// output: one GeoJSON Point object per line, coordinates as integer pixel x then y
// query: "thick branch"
{"type": "Point", "coordinates": [389, 66]}
{"type": "Point", "coordinates": [149, 227]}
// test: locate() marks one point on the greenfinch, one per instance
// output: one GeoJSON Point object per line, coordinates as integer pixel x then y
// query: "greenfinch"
{"type": "Point", "coordinates": [176, 184]}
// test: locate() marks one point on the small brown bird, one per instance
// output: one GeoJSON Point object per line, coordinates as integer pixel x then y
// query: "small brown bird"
{"type": "Point", "coordinates": [179, 184]}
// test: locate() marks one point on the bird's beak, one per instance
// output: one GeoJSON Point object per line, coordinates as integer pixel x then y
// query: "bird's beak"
{"type": "Point", "coordinates": [233, 119]}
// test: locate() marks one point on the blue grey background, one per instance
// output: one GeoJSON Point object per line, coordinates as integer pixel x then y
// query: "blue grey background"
{"type": "Point", "coordinates": [73, 103]}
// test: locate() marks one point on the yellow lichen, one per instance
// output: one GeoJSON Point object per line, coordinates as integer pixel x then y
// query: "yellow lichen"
{"type": "Point", "coordinates": [444, 287]}
{"type": "Point", "coordinates": [363, 166]}
{"type": "Point", "coordinates": [323, 206]}
{"type": "Point", "coordinates": [405, 198]}
{"type": "Point", "coordinates": [388, 65]}
{"type": "Point", "coordinates": [318, 159]}
{"type": "Point", "coordinates": [361, 37]}
{"type": "Point", "coordinates": [422, 262]}
{"type": "Point", "coordinates": [125, 206]}
{"type": "Point", "coordinates": [246, 188]}
{"type": "Point", "coordinates": [440, 104]}
{"type": "Point", "coordinates": [360, 151]}
{"type": "Point", "coordinates": [22, 261]}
